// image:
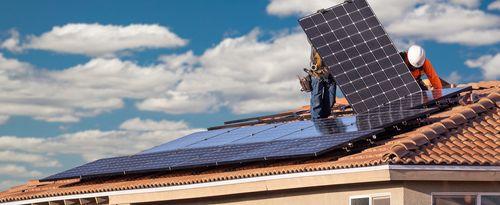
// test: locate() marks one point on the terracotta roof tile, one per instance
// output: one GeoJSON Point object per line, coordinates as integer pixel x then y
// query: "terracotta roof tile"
{"type": "Point", "coordinates": [468, 135]}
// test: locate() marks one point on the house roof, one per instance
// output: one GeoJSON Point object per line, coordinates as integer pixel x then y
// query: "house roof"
{"type": "Point", "coordinates": [462, 135]}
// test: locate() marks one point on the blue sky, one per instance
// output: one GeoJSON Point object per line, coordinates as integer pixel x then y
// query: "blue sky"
{"type": "Point", "coordinates": [84, 80]}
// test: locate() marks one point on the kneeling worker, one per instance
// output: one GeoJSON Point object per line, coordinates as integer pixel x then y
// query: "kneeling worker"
{"type": "Point", "coordinates": [418, 64]}
{"type": "Point", "coordinates": [323, 88]}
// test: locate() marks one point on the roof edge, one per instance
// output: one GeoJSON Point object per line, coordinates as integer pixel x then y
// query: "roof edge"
{"type": "Point", "coordinates": [383, 168]}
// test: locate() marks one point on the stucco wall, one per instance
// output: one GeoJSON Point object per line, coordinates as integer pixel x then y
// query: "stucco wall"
{"type": "Point", "coordinates": [328, 195]}
{"type": "Point", "coordinates": [419, 192]}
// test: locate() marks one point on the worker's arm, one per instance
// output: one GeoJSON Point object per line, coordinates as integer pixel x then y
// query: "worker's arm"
{"type": "Point", "coordinates": [432, 75]}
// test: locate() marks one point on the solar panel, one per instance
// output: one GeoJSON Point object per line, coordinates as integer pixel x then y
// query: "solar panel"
{"type": "Point", "coordinates": [359, 54]}
{"type": "Point", "coordinates": [188, 140]}
{"type": "Point", "coordinates": [211, 156]}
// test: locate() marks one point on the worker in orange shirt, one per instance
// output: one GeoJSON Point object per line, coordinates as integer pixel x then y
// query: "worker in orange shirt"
{"type": "Point", "coordinates": [419, 64]}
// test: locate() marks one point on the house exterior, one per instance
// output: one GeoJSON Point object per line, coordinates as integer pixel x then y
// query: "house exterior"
{"type": "Point", "coordinates": [452, 160]}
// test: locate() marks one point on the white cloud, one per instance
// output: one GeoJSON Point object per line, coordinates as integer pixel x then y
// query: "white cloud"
{"type": "Point", "coordinates": [17, 171]}
{"type": "Point", "coordinates": [243, 73]}
{"type": "Point", "coordinates": [448, 24]}
{"type": "Point", "coordinates": [239, 73]}
{"type": "Point", "coordinates": [12, 43]}
{"type": "Point", "coordinates": [138, 124]}
{"type": "Point", "coordinates": [298, 7]}
{"type": "Point", "coordinates": [102, 40]}
{"type": "Point", "coordinates": [467, 3]}
{"type": "Point", "coordinates": [453, 77]}
{"type": "Point", "coordinates": [452, 21]}
{"type": "Point", "coordinates": [387, 10]}
{"type": "Point", "coordinates": [489, 65]}
{"type": "Point", "coordinates": [4, 119]}
{"type": "Point", "coordinates": [181, 102]}
{"type": "Point", "coordinates": [494, 5]}
{"type": "Point", "coordinates": [89, 89]}
{"type": "Point", "coordinates": [136, 135]}
{"type": "Point", "coordinates": [36, 160]}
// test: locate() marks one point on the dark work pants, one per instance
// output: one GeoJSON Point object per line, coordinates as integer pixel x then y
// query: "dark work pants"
{"type": "Point", "coordinates": [322, 96]}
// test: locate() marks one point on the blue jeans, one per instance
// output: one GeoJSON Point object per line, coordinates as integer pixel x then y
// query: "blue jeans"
{"type": "Point", "coordinates": [322, 96]}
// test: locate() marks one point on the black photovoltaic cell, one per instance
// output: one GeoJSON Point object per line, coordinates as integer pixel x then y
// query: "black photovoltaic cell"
{"type": "Point", "coordinates": [212, 156]}
{"type": "Point", "coordinates": [360, 55]}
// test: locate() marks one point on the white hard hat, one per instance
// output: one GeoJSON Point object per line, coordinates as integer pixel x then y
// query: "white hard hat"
{"type": "Point", "coordinates": [416, 56]}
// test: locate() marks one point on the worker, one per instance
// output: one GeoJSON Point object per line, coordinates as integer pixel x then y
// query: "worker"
{"type": "Point", "coordinates": [418, 64]}
{"type": "Point", "coordinates": [323, 88]}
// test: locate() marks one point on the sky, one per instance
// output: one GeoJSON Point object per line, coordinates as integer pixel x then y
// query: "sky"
{"type": "Point", "coordinates": [83, 80]}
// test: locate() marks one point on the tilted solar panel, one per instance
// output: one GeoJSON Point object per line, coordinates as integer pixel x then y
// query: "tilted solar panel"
{"type": "Point", "coordinates": [359, 54]}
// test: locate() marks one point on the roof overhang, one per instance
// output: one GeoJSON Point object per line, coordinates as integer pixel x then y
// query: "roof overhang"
{"type": "Point", "coordinates": [381, 173]}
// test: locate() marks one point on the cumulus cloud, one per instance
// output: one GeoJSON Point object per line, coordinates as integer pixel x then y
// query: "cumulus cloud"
{"type": "Point", "coordinates": [36, 160]}
{"type": "Point", "coordinates": [451, 21]}
{"type": "Point", "coordinates": [84, 90]}
{"type": "Point", "coordinates": [181, 102]}
{"type": "Point", "coordinates": [136, 135]}
{"type": "Point", "coordinates": [448, 24]}
{"type": "Point", "coordinates": [3, 119]}
{"type": "Point", "coordinates": [239, 73]}
{"type": "Point", "coordinates": [99, 40]}
{"type": "Point", "coordinates": [489, 65]}
{"type": "Point", "coordinates": [17, 171]}
{"type": "Point", "coordinates": [138, 124]}
{"type": "Point", "coordinates": [494, 5]}
{"type": "Point", "coordinates": [467, 3]}
{"type": "Point", "coordinates": [453, 77]}
{"type": "Point", "coordinates": [12, 43]}
{"type": "Point", "coordinates": [244, 73]}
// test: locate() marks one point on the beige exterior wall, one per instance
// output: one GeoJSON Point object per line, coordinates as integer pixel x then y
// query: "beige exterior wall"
{"type": "Point", "coordinates": [404, 186]}
{"type": "Point", "coordinates": [401, 192]}
{"type": "Point", "coordinates": [419, 192]}
{"type": "Point", "coordinates": [329, 195]}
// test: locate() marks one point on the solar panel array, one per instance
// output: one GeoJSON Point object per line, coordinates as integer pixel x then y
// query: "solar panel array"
{"type": "Point", "coordinates": [359, 54]}
{"type": "Point", "coordinates": [216, 155]}
{"type": "Point", "coordinates": [254, 143]}
{"type": "Point", "coordinates": [290, 130]}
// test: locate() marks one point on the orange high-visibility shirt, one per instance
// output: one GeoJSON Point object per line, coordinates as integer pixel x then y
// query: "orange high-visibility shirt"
{"type": "Point", "coordinates": [430, 72]}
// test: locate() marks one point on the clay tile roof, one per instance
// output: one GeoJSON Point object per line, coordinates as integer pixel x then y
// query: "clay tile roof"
{"type": "Point", "coordinates": [466, 135]}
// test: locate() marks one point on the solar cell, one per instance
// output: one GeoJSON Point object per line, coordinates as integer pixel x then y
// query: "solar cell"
{"type": "Point", "coordinates": [359, 54]}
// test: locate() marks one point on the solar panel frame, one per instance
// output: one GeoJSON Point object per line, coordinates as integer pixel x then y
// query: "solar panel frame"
{"type": "Point", "coordinates": [357, 43]}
